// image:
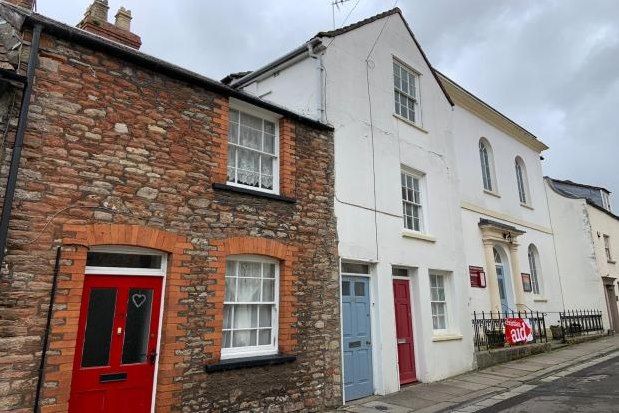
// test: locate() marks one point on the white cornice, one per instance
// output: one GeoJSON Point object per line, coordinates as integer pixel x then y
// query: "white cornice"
{"type": "Point", "coordinates": [473, 104]}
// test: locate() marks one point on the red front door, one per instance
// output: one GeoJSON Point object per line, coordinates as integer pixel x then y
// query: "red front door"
{"type": "Point", "coordinates": [116, 347]}
{"type": "Point", "coordinates": [404, 331]}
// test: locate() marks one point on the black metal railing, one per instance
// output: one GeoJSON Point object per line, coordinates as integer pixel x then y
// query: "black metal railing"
{"type": "Point", "coordinates": [580, 322]}
{"type": "Point", "coordinates": [489, 327]}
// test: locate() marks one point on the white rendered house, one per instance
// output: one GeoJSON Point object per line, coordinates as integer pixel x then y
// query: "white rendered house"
{"type": "Point", "coordinates": [505, 216]}
{"type": "Point", "coordinates": [404, 278]}
{"type": "Point", "coordinates": [586, 234]}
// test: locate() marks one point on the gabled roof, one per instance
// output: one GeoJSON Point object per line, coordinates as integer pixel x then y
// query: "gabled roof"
{"type": "Point", "coordinates": [337, 32]}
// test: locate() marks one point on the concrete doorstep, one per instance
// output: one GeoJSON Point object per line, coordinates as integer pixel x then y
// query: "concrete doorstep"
{"type": "Point", "coordinates": [478, 390]}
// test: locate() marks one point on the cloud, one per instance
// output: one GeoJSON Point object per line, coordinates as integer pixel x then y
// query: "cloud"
{"type": "Point", "coordinates": [549, 65]}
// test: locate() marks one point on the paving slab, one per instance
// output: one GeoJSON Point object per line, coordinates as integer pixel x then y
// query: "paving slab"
{"type": "Point", "coordinates": [380, 406]}
{"type": "Point", "coordinates": [438, 407]}
{"type": "Point", "coordinates": [467, 385]}
{"type": "Point", "coordinates": [506, 371]}
{"type": "Point", "coordinates": [404, 399]}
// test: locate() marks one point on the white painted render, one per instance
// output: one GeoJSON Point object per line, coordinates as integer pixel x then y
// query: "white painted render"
{"type": "Point", "coordinates": [369, 200]}
{"type": "Point", "coordinates": [504, 206]}
{"type": "Point", "coordinates": [580, 252]}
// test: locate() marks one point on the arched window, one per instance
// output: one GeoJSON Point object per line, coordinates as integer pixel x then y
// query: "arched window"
{"type": "Point", "coordinates": [534, 268]}
{"type": "Point", "coordinates": [521, 181]}
{"type": "Point", "coordinates": [487, 164]}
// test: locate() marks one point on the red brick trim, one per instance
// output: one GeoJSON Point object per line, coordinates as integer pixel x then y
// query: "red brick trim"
{"type": "Point", "coordinates": [76, 240]}
{"type": "Point", "coordinates": [220, 148]}
{"type": "Point", "coordinates": [287, 162]}
{"type": "Point", "coordinates": [287, 255]}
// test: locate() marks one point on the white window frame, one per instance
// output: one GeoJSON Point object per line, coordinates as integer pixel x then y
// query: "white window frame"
{"type": "Point", "coordinates": [607, 249]}
{"type": "Point", "coordinates": [122, 249]}
{"type": "Point", "coordinates": [487, 166]}
{"type": "Point", "coordinates": [446, 279]}
{"type": "Point", "coordinates": [258, 350]}
{"type": "Point", "coordinates": [522, 181]}
{"type": "Point", "coordinates": [242, 107]}
{"type": "Point", "coordinates": [420, 177]}
{"type": "Point", "coordinates": [534, 269]}
{"type": "Point", "coordinates": [398, 92]}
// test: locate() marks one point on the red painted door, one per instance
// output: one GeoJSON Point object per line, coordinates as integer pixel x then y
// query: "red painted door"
{"type": "Point", "coordinates": [404, 331]}
{"type": "Point", "coordinates": [115, 354]}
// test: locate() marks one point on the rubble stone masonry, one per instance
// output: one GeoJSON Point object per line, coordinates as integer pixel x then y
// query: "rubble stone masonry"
{"type": "Point", "coordinates": [117, 154]}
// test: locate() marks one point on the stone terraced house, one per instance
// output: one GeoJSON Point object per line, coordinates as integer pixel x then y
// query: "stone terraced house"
{"type": "Point", "coordinates": [170, 241]}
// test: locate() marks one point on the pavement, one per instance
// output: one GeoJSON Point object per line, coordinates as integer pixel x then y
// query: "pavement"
{"type": "Point", "coordinates": [487, 390]}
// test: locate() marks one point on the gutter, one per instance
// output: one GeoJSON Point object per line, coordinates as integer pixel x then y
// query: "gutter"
{"type": "Point", "coordinates": [284, 61]}
{"type": "Point", "coordinates": [19, 141]}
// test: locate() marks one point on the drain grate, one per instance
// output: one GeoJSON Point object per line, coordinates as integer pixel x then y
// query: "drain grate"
{"type": "Point", "coordinates": [381, 407]}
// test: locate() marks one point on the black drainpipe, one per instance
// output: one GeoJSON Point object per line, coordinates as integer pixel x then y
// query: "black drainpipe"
{"type": "Point", "coordinates": [19, 141]}
{"type": "Point", "coordinates": [50, 309]}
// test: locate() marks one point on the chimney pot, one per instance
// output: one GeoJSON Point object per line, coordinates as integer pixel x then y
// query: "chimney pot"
{"type": "Point", "coordinates": [123, 19]}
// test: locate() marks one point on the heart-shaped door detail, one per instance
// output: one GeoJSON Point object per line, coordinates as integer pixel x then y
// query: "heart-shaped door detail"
{"type": "Point", "coordinates": [138, 299]}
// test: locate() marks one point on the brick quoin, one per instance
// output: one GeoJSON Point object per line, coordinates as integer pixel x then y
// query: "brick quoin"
{"type": "Point", "coordinates": [116, 153]}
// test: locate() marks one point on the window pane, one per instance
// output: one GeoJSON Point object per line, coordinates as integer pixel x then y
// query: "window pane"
{"type": "Point", "coordinates": [353, 268]}
{"type": "Point", "coordinates": [234, 115]}
{"type": "Point", "coordinates": [265, 315]}
{"type": "Point", "coordinates": [227, 339]}
{"type": "Point", "coordinates": [269, 127]}
{"type": "Point", "coordinates": [245, 316]}
{"type": "Point", "coordinates": [269, 143]}
{"type": "Point", "coordinates": [264, 338]}
{"type": "Point", "coordinates": [345, 288]}
{"type": "Point", "coordinates": [249, 269]}
{"type": "Point", "coordinates": [228, 309]}
{"type": "Point", "coordinates": [233, 132]}
{"type": "Point", "coordinates": [230, 289]}
{"type": "Point", "coordinates": [99, 323]}
{"type": "Point", "coordinates": [248, 290]}
{"type": "Point", "coordinates": [268, 271]}
{"type": "Point", "coordinates": [251, 121]}
{"type": "Point", "coordinates": [359, 289]}
{"type": "Point", "coordinates": [120, 260]}
{"type": "Point", "coordinates": [268, 290]}
{"type": "Point", "coordinates": [137, 326]}
{"type": "Point", "coordinates": [244, 338]}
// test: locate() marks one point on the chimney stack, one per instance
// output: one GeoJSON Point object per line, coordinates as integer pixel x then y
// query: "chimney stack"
{"type": "Point", "coordinates": [95, 21]}
{"type": "Point", "coordinates": [123, 19]}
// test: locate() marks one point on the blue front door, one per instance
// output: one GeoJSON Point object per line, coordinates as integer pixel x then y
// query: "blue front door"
{"type": "Point", "coordinates": [357, 338]}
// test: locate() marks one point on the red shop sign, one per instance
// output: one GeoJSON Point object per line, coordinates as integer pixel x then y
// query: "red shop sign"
{"type": "Point", "coordinates": [518, 330]}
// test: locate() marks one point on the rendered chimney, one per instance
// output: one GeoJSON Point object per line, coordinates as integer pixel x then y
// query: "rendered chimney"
{"type": "Point", "coordinates": [123, 19]}
{"type": "Point", "coordinates": [95, 21]}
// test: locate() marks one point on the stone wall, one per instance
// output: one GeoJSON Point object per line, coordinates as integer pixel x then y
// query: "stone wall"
{"type": "Point", "coordinates": [116, 145]}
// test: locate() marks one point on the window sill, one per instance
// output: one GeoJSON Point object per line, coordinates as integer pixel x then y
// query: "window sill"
{"type": "Point", "coordinates": [522, 204]}
{"type": "Point", "coordinates": [414, 125]}
{"type": "Point", "coordinates": [446, 337]}
{"type": "Point", "coordinates": [493, 193]}
{"type": "Point", "coordinates": [407, 233]}
{"type": "Point", "coordinates": [247, 191]}
{"type": "Point", "coordinates": [248, 362]}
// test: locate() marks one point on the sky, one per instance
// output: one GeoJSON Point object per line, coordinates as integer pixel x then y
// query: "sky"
{"type": "Point", "coordinates": [550, 65]}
